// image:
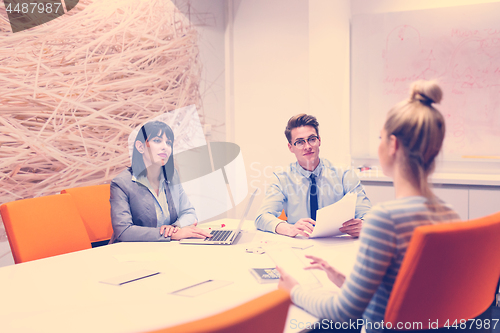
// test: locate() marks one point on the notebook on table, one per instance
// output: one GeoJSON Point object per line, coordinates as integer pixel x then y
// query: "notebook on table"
{"type": "Point", "coordinates": [222, 236]}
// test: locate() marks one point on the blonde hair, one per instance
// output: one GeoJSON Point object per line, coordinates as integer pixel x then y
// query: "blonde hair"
{"type": "Point", "coordinates": [420, 130]}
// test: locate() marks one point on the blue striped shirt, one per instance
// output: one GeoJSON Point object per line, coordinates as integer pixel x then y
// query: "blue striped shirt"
{"type": "Point", "coordinates": [290, 191]}
{"type": "Point", "coordinates": [384, 238]}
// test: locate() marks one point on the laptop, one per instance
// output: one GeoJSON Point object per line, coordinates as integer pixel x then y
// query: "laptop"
{"type": "Point", "coordinates": [222, 236]}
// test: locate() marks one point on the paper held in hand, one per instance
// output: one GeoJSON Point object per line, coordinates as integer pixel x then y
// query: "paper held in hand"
{"type": "Point", "coordinates": [330, 218]}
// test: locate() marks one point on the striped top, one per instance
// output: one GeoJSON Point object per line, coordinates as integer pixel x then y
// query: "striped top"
{"type": "Point", "coordinates": [384, 238]}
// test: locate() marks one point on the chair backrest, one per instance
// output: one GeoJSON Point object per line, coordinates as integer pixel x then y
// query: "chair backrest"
{"type": "Point", "coordinates": [94, 207]}
{"type": "Point", "coordinates": [43, 227]}
{"type": "Point", "coordinates": [450, 272]}
{"type": "Point", "coordinates": [265, 314]}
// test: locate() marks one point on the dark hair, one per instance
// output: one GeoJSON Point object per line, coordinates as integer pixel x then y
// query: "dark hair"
{"type": "Point", "coordinates": [420, 129]}
{"type": "Point", "coordinates": [298, 121]}
{"type": "Point", "coordinates": [148, 131]}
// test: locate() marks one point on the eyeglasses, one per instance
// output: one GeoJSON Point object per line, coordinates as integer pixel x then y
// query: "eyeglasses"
{"type": "Point", "coordinates": [312, 141]}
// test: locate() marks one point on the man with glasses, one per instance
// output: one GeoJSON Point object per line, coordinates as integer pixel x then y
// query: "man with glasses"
{"type": "Point", "coordinates": [307, 185]}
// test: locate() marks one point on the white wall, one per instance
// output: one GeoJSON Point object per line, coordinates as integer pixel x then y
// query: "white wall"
{"type": "Point", "coordinates": [291, 57]}
{"type": "Point", "coordinates": [383, 6]}
{"type": "Point", "coordinates": [271, 81]}
{"type": "Point", "coordinates": [209, 19]}
{"type": "Point", "coordinates": [329, 77]}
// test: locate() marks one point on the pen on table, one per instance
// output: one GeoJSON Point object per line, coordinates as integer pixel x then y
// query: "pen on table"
{"type": "Point", "coordinates": [302, 247]}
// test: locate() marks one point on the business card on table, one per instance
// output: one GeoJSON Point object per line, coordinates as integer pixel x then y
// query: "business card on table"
{"type": "Point", "coordinates": [302, 246]}
{"type": "Point", "coordinates": [265, 275]}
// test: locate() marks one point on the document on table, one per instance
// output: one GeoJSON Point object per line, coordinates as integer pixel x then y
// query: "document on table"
{"type": "Point", "coordinates": [330, 218]}
{"type": "Point", "coordinates": [286, 258]}
{"type": "Point", "coordinates": [151, 280]}
{"type": "Point", "coordinates": [201, 288]}
{"type": "Point", "coordinates": [129, 277]}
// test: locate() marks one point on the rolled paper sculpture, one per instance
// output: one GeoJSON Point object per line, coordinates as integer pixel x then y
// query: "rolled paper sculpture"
{"type": "Point", "coordinates": [73, 90]}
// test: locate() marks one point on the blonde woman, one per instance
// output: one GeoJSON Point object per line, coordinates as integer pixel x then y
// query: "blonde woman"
{"type": "Point", "coordinates": [409, 143]}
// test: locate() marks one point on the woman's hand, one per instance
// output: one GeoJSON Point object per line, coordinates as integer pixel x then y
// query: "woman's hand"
{"type": "Point", "coordinates": [334, 275]}
{"type": "Point", "coordinates": [168, 230]}
{"type": "Point", "coordinates": [287, 282]}
{"type": "Point", "coordinates": [191, 231]}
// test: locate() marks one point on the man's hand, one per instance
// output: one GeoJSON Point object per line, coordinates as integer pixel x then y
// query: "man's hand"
{"type": "Point", "coordinates": [303, 227]}
{"type": "Point", "coordinates": [334, 275]}
{"type": "Point", "coordinates": [352, 227]}
{"type": "Point", "coordinates": [168, 230]}
{"type": "Point", "coordinates": [191, 231]}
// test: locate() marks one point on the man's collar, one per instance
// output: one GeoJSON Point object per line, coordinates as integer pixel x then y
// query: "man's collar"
{"type": "Point", "coordinates": [307, 173]}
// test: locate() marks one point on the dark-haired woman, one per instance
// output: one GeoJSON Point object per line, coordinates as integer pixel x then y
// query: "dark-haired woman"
{"type": "Point", "coordinates": [147, 200]}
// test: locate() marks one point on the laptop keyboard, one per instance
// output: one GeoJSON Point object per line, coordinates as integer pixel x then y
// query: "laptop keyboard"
{"type": "Point", "coordinates": [219, 235]}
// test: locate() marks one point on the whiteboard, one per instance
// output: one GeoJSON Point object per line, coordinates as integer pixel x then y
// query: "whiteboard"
{"type": "Point", "coordinates": [458, 46]}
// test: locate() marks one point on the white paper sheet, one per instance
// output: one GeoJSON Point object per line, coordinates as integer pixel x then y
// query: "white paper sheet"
{"type": "Point", "coordinates": [268, 239]}
{"type": "Point", "coordinates": [287, 259]}
{"type": "Point", "coordinates": [330, 218]}
{"type": "Point", "coordinates": [141, 257]}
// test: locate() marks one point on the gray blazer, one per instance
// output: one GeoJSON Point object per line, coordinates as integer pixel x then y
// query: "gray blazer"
{"type": "Point", "coordinates": [133, 212]}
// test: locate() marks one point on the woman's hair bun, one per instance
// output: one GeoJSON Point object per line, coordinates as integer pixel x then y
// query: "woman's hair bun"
{"type": "Point", "coordinates": [427, 92]}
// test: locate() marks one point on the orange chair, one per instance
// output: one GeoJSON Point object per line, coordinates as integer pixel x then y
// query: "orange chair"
{"type": "Point", "coordinates": [94, 207]}
{"type": "Point", "coordinates": [265, 314]}
{"type": "Point", "coordinates": [283, 216]}
{"type": "Point", "coordinates": [450, 272]}
{"type": "Point", "coordinates": [43, 227]}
